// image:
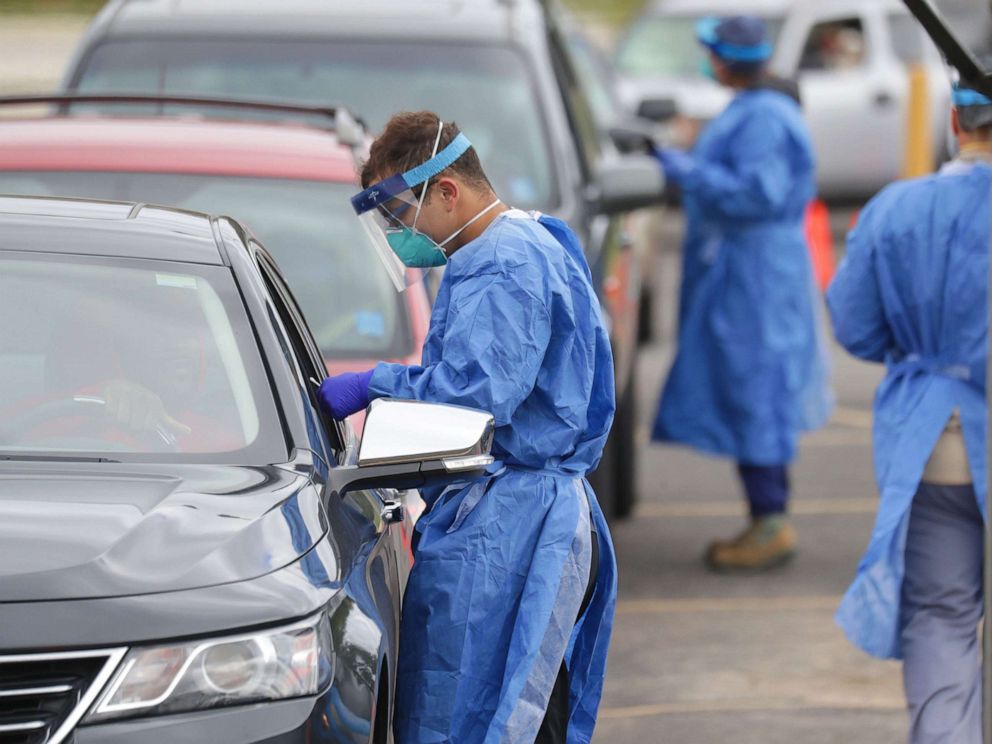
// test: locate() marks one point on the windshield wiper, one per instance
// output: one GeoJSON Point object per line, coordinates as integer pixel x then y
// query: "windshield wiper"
{"type": "Point", "coordinates": [52, 458]}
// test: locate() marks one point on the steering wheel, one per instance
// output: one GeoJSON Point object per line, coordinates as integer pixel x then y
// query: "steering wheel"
{"type": "Point", "coordinates": [90, 406]}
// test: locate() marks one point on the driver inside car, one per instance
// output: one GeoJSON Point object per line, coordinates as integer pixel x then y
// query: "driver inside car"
{"type": "Point", "coordinates": [135, 391]}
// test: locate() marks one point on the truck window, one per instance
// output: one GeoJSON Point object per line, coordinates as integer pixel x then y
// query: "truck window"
{"type": "Point", "coordinates": [834, 45]}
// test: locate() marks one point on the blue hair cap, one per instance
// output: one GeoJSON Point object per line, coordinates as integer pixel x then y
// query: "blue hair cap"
{"type": "Point", "coordinates": [735, 39]}
{"type": "Point", "coordinates": [969, 97]}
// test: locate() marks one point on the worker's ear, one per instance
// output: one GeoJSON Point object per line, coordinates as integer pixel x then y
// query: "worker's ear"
{"type": "Point", "coordinates": [955, 124]}
{"type": "Point", "coordinates": [448, 191]}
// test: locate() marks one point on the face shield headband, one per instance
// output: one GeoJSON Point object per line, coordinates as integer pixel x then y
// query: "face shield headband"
{"type": "Point", "coordinates": [380, 193]}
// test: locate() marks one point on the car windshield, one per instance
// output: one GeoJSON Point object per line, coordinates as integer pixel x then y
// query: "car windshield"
{"type": "Point", "coordinates": [486, 90]}
{"type": "Point", "coordinates": [667, 46]}
{"type": "Point", "coordinates": [308, 227]}
{"type": "Point", "coordinates": [123, 357]}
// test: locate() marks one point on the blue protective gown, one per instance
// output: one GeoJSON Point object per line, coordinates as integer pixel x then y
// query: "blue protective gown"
{"type": "Point", "coordinates": [750, 370]}
{"type": "Point", "coordinates": [912, 292]}
{"type": "Point", "coordinates": [502, 565]}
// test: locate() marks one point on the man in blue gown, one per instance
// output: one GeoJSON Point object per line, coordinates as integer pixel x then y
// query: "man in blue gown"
{"type": "Point", "coordinates": [912, 293]}
{"type": "Point", "coordinates": [509, 606]}
{"type": "Point", "coordinates": [750, 370]}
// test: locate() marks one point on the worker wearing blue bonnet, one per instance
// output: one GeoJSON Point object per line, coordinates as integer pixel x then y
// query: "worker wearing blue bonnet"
{"type": "Point", "coordinates": [509, 606]}
{"type": "Point", "coordinates": [750, 372]}
{"type": "Point", "coordinates": [912, 293]}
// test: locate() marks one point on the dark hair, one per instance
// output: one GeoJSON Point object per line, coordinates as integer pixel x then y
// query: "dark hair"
{"type": "Point", "coordinates": [408, 140]}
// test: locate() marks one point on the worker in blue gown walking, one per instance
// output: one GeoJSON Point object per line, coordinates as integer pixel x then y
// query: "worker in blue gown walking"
{"type": "Point", "coordinates": [912, 293]}
{"type": "Point", "coordinates": [509, 605]}
{"type": "Point", "coordinates": [750, 372]}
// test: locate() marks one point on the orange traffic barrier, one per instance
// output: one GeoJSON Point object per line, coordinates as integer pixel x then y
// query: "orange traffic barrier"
{"type": "Point", "coordinates": [820, 240]}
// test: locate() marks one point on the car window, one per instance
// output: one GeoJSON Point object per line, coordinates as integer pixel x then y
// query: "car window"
{"type": "Point", "coordinates": [835, 45]}
{"type": "Point", "coordinates": [487, 90]}
{"type": "Point", "coordinates": [667, 46]}
{"type": "Point", "coordinates": [581, 119]}
{"type": "Point", "coordinates": [130, 357]}
{"type": "Point", "coordinates": [594, 77]}
{"type": "Point", "coordinates": [305, 354]}
{"type": "Point", "coordinates": [307, 226]}
{"type": "Point", "coordinates": [291, 313]}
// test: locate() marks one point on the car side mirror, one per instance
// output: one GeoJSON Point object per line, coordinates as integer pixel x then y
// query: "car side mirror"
{"type": "Point", "coordinates": [409, 444]}
{"type": "Point", "coordinates": [657, 109]}
{"type": "Point", "coordinates": [632, 136]}
{"type": "Point", "coordinates": [628, 182]}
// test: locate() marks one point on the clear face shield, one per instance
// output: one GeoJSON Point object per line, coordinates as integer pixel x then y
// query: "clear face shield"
{"type": "Point", "coordinates": [389, 213]}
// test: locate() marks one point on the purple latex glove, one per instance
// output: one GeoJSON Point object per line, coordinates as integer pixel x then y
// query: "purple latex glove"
{"type": "Point", "coordinates": [678, 164]}
{"type": "Point", "coordinates": [345, 394]}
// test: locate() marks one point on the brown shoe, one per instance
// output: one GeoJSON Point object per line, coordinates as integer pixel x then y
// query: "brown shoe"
{"type": "Point", "coordinates": [768, 542]}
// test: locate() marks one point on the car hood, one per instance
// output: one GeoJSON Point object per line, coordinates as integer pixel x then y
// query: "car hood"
{"type": "Point", "coordinates": [89, 530]}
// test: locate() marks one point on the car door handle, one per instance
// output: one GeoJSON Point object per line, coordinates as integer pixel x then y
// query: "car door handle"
{"type": "Point", "coordinates": [392, 512]}
{"type": "Point", "coordinates": [883, 99]}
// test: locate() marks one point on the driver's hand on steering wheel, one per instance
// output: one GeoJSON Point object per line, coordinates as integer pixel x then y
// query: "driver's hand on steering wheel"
{"type": "Point", "coordinates": [138, 409]}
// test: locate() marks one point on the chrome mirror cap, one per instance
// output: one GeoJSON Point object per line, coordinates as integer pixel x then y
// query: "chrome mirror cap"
{"type": "Point", "coordinates": [403, 431]}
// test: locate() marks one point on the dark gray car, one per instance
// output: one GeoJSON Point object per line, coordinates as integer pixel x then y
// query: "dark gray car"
{"type": "Point", "coordinates": [189, 550]}
{"type": "Point", "coordinates": [503, 71]}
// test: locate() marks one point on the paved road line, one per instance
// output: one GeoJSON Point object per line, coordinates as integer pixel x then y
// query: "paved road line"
{"type": "Point", "coordinates": [734, 509]}
{"type": "Point", "coordinates": [726, 604]}
{"type": "Point", "coordinates": [732, 706]}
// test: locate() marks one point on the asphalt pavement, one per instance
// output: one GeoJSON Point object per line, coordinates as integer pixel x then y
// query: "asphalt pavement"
{"type": "Point", "coordinates": [704, 658]}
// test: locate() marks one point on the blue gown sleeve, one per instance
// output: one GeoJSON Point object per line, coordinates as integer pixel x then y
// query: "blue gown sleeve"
{"type": "Point", "coordinates": [495, 340]}
{"type": "Point", "coordinates": [754, 180]}
{"type": "Point", "coordinates": [854, 297]}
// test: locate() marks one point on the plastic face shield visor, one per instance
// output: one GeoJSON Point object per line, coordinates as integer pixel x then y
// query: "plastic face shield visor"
{"type": "Point", "coordinates": [391, 207]}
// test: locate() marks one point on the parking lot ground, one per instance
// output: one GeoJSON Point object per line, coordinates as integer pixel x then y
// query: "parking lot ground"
{"type": "Point", "coordinates": [704, 658]}
{"type": "Point", "coordinates": [35, 49]}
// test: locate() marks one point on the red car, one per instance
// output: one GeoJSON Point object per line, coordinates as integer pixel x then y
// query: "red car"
{"type": "Point", "coordinates": [289, 183]}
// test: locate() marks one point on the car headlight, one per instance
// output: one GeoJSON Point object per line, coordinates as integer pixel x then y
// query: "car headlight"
{"type": "Point", "coordinates": [276, 664]}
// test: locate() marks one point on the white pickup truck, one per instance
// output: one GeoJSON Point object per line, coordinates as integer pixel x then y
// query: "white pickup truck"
{"type": "Point", "coordinates": [850, 58]}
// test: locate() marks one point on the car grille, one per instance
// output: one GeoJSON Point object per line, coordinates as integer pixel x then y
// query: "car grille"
{"type": "Point", "coordinates": [43, 696]}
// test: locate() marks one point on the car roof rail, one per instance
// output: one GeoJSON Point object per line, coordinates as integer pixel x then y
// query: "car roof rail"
{"type": "Point", "coordinates": [350, 129]}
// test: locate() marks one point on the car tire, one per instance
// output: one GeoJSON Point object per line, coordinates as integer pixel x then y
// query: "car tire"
{"type": "Point", "coordinates": [624, 442]}
{"type": "Point", "coordinates": [380, 727]}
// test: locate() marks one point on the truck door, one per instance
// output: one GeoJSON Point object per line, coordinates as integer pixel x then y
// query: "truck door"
{"type": "Point", "coordinates": [854, 98]}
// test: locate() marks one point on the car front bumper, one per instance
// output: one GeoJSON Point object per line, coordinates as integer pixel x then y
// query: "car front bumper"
{"type": "Point", "coordinates": [304, 720]}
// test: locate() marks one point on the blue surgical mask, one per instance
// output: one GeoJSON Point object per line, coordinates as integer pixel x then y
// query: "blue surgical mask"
{"type": "Point", "coordinates": [415, 249]}
{"type": "Point", "coordinates": [419, 251]}
{"type": "Point", "coordinates": [706, 69]}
